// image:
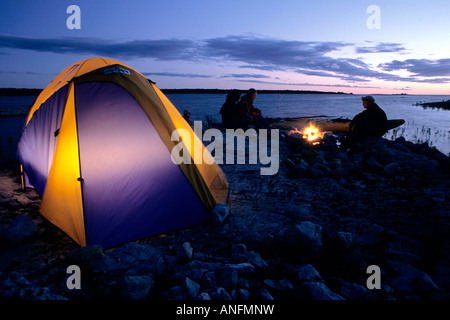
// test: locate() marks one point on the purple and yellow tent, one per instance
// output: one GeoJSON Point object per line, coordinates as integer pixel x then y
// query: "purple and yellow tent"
{"type": "Point", "coordinates": [97, 145]}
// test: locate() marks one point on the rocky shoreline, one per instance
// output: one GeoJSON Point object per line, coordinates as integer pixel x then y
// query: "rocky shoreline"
{"type": "Point", "coordinates": [310, 232]}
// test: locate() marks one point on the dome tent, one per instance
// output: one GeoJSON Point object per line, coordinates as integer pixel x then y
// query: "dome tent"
{"type": "Point", "coordinates": [97, 145]}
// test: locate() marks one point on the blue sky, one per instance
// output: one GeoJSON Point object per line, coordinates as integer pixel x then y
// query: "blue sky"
{"type": "Point", "coordinates": [321, 45]}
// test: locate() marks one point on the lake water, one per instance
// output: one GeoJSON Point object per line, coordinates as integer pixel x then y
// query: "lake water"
{"type": "Point", "coordinates": [421, 125]}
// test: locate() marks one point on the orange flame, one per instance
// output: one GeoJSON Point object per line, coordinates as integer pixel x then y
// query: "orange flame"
{"type": "Point", "coordinates": [294, 131]}
{"type": "Point", "coordinates": [312, 133]}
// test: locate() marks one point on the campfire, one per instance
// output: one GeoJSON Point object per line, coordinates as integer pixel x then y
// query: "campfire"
{"type": "Point", "coordinates": [311, 133]}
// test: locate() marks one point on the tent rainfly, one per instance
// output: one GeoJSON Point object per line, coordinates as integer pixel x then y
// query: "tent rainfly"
{"type": "Point", "coordinates": [97, 145]}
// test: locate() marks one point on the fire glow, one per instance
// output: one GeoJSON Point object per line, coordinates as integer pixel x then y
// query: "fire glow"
{"type": "Point", "coordinates": [310, 133]}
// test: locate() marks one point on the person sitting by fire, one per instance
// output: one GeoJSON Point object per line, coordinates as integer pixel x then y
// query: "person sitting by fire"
{"type": "Point", "coordinates": [246, 104]}
{"type": "Point", "coordinates": [229, 110]}
{"type": "Point", "coordinates": [372, 122]}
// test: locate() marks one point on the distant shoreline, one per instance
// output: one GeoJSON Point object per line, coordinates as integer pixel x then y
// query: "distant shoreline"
{"type": "Point", "coordinates": [36, 92]}
{"type": "Point", "coordinates": [435, 105]}
{"type": "Point", "coordinates": [18, 92]}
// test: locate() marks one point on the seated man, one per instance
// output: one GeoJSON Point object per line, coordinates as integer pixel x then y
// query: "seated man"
{"type": "Point", "coordinates": [372, 122]}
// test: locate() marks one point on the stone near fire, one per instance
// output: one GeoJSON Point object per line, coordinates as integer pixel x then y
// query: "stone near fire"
{"type": "Point", "coordinates": [298, 171]}
{"type": "Point", "coordinates": [373, 165]}
{"type": "Point", "coordinates": [392, 169]}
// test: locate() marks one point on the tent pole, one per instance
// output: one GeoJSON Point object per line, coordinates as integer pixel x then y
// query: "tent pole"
{"type": "Point", "coordinates": [22, 177]}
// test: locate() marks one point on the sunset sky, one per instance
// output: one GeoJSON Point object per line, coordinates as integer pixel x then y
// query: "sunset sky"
{"type": "Point", "coordinates": [324, 45]}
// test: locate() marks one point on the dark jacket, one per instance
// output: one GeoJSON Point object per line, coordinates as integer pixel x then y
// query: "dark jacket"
{"type": "Point", "coordinates": [228, 112]}
{"type": "Point", "coordinates": [372, 122]}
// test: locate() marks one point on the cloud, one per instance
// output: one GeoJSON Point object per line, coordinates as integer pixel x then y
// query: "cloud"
{"type": "Point", "coordinates": [420, 67]}
{"type": "Point", "coordinates": [263, 68]}
{"type": "Point", "coordinates": [269, 53]}
{"type": "Point", "coordinates": [19, 72]}
{"type": "Point", "coordinates": [169, 49]}
{"type": "Point", "coordinates": [383, 47]}
{"type": "Point", "coordinates": [246, 75]}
